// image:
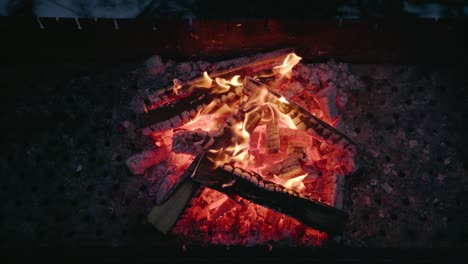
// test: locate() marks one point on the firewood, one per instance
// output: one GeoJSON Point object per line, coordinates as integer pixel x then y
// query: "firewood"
{"type": "Point", "coordinates": [166, 115]}
{"type": "Point", "coordinates": [252, 120]}
{"type": "Point", "coordinates": [296, 147]}
{"type": "Point", "coordinates": [193, 142]}
{"type": "Point", "coordinates": [302, 118]}
{"type": "Point", "coordinates": [285, 169]}
{"type": "Point", "coordinates": [251, 186]}
{"type": "Point", "coordinates": [226, 69]}
{"type": "Point", "coordinates": [272, 136]}
{"type": "Point", "coordinates": [182, 111]}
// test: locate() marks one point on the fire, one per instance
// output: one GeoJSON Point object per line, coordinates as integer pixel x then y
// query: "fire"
{"type": "Point", "coordinates": [177, 86]}
{"type": "Point", "coordinates": [283, 100]}
{"type": "Point", "coordinates": [236, 153]}
{"type": "Point", "coordinates": [255, 108]}
{"type": "Point", "coordinates": [206, 82]}
{"type": "Point", "coordinates": [245, 144]}
{"type": "Point", "coordinates": [295, 183]}
{"type": "Point", "coordinates": [225, 84]}
{"type": "Point", "coordinates": [285, 69]}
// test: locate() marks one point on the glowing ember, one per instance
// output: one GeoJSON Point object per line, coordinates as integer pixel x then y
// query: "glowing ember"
{"type": "Point", "coordinates": [257, 135]}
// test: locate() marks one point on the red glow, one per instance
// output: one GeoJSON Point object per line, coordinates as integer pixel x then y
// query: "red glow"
{"type": "Point", "coordinates": [214, 218]}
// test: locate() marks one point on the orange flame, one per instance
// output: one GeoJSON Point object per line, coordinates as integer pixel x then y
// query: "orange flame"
{"type": "Point", "coordinates": [295, 183]}
{"type": "Point", "coordinates": [223, 83]}
{"type": "Point", "coordinates": [289, 62]}
{"type": "Point", "coordinates": [177, 86]}
{"type": "Point", "coordinates": [206, 82]}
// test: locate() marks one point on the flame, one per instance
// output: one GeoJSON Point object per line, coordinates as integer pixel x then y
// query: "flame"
{"type": "Point", "coordinates": [283, 100]}
{"type": "Point", "coordinates": [223, 83]}
{"type": "Point", "coordinates": [295, 183]}
{"type": "Point", "coordinates": [206, 82]}
{"type": "Point", "coordinates": [210, 118]}
{"type": "Point", "coordinates": [238, 152]}
{"type": "Point", "coordinates": [289, 62]}
{"type": "Point", "coordinates": [177, 86]}
{"type": "Point", "coordinates": [243, 145]}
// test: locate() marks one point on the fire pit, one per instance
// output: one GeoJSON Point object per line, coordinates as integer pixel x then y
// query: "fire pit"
{"type": "Point", "coordinates": [253, 147]}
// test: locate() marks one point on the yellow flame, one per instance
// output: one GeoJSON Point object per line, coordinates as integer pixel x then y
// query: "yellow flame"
{"type": "Point", "coordinates": [226, 84]}
{"type": "Point", "coordinates": [283, 100]}
{"type": "Point", "coordinates": [285, 119]}
{"type": "Point", "coordinates": [295, 183]}
{"type": "Point", "coordinates": [206, 82]}
{"type": "Point", "coordinates": [238, 152]}
{"type": "Point", "coordinates": [177, 86]}
{"type": "Point", "coordinates": [289, 62]}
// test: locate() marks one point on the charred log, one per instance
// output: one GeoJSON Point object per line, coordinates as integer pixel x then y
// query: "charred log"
{"type": "Point", "coordinates": [253, 64]}
{"type": "Point", "coordinates": [180, 112]}
{"type": "Point", "coordinates": [251, 186]}
{"type": "Point", "coordinates": [287, 168]}
{"type": "Point", "coordinates": [138, 163]}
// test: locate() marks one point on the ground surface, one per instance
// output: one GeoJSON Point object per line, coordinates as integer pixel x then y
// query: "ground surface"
{"type": "Point", "coordinates": [64, 185]}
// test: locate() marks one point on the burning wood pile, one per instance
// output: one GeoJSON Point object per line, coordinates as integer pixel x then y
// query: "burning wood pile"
{"type": "Point", "coordinates": [246, 154]}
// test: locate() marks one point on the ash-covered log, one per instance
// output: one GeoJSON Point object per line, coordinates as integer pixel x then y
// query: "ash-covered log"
{"type": "Point", "coordinates": [226, 69]}
{"type": "Point", "coordinates": [138, 163]}
{"type": "Point", "coordinates": [193, 142]}
{"type": "Point", "coordinates": [182, 111]}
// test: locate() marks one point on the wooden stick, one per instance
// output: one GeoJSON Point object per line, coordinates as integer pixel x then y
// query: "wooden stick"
{"type": "Point", "coordinates": [164, 215]}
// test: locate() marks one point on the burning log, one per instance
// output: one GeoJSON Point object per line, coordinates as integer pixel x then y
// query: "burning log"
{"type": "Point", "coordinates": [253, 64]}
{"type": "Point", "coordinates": [218, 120]}
{"type": "Point", "coordinates": [272, 137]}
{"type": "Point", "coordinates": [193, 142]}
{"type": "Point", "coordinates": [187, 97]}
{"type": "Point", "coordinates": [287, 168]}
{"type": "Point", "coordinates": [180, 112]}
{"type": "Point", "coordinates": [234, 181]}
{"type": "Point", "coordinates": [296, 147]}
{"type": "Point", "coordinates": [252, 120]}
{"type": "Point", "coordinates": [251, 186]}
{"type": "Point", "coordinates": [302, 119]}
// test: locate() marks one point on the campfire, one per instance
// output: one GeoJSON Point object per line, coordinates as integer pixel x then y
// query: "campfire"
{"type": "Point", "coordinates": [246, 153]}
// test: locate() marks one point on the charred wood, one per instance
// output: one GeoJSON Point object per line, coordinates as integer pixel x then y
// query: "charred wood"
{"type": "Point", "coordinates": [251, 186]}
